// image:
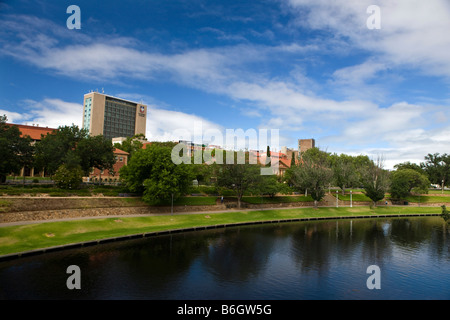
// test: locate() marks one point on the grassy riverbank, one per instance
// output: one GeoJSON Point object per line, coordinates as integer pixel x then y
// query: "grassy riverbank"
{"type": "Point", "coordinates": [14, 239]}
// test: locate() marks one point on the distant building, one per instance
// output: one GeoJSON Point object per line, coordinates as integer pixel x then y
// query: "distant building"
{"type": "Point", "coordinates": [35, 132]}
{"type": "Point", "coordinates": [97, 175]}
{"type": "Point", "coordinates": [113, 117]}
{"type": "Point", "coordinates": [305, 144]}
{"type": "Point", "coordinates": [290, 153]}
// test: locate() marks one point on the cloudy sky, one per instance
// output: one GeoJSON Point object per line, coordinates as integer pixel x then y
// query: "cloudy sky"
{"type": "Point", "coordinates": [310, 68]}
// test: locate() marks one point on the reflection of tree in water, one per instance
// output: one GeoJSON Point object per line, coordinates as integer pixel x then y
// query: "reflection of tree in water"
{"type": "Point", "coordinates": [240, 255]}
{"type": "Point", "coordinates": [317, 245]}
{"type": "Point", "coordinates": [161, 261]}
{"type": "Point", "coordinates": [411, 232]}
{"type": "Point", "coordinates": [440, 240]}
{"type": "Point", "coordinates": [415, 233]}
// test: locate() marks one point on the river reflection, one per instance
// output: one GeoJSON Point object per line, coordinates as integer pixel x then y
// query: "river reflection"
{"type": "Point", "coordinates": [302, 260]}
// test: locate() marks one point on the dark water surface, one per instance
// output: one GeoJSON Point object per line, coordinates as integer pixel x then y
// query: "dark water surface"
{"type": "Point", "coordinates": [286, 261]}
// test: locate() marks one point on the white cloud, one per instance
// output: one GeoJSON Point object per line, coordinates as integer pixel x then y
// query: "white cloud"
{"type": "Point", "coordinates": [413, 33]}
{"type": "Point", "coordinates": [51, 113]}
{"type": "Point", "coordinates": [12, 117]}
{"type": "Point", "coordinates": [168, 125]}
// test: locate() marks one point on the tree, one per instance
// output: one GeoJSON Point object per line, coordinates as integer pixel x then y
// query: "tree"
{"type": "Point", "coordinates": [344, 171]}
{"type": "Point", "coordinates": [270, 185]}
{"type": "Point", "coordinates": [131, 144]}
{"type": "Point", "coordinates": [73, 147]}
{"type": "Point", "coordinates": [437, 168]}
{"type": "Point", "coordinates": [375, 181]}
{"type": "Point", "coordinates": [152, 172]}
{"type": "Point", "coordinates": [68, 177]}
{"type": "Point", "coordinates": [405, 181]}
{"type": "Point", "coordinates": [239, 177]}
{"type": "Point", "coordinates": [313, 173]}
{"type": "Point", "coordinates": [16, 151]}
{"type": "Point", "coordinates": [409, 165]}
{"type": "Point", "coordinates": [95, 152]}
{"type": "Point", "coordinates": [361, 162]}
{"type": "Point", "coordinates": [293, 163]}
{"type": "Point", "coordinates": [52, 150]}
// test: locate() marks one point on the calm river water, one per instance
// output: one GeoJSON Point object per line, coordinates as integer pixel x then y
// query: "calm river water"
{"type": "Point", "coordinates": [286, 261]}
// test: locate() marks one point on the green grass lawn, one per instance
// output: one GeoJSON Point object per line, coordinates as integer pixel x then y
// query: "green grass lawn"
{"type": "Point", "coordinates": [22, 238]}
{"type": "Point", "coordinates": [428, 199]}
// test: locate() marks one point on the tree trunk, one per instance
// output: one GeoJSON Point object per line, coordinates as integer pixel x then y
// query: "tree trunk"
{"type": "Point", "coordinates": [315, 204]}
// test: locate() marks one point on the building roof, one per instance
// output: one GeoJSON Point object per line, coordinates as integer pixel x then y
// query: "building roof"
{"type": "Point", "coordinates": [144, 146]}
{"type": "Point", "coordinates": [285, 162]}
{"type": "Point", "coordinates": [33, 131]}
{"type": "Point", "coordinates": [118, 151]}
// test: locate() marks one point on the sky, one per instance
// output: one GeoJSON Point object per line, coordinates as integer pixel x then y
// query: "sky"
{"type": "Point", "coordinates": [355, 79]}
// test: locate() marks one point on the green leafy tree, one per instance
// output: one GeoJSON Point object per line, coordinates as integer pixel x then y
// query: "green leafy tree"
{"type": "Point", "coordinates": [152, 172]}
{"type": "Point", "coordinates": [361, 162]}
{"type": "Point", "coordinates": [68, 176]}
{"type": "Point", "coordinates": [16, 151]}
{"type": "Point", "coordinates": [409, 165]}
{"type": "Point", "coordinates": [270, 185]}
{"type": "Point", "coordinates": [405, 181]}
{"type": "Point", "coordinates": [131, 144]}
{"type": "Point", "coordinates": [312, 174]}
{"type": "Point", "coordinates": [238, 177]}
{"type": "Point", "coordinates": [294, 159]}
{"type": "Point", "coordinates": [437, 168]}
{"type": "Point", "coordinates": [72, 146]}
{"type": "Point", "coordinates": [344, 171]}
{"type": "Point", "coordinates": [375, 181]}
{"type": "Point", "coordinates": [52, 150]}
{"type": "Point", "coordinates": [95, 152]}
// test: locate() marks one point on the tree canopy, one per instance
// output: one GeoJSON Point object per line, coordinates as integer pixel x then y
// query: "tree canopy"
{"type": "Point", "coordinates": [16, 151]}
{"type": "Point", "coordinates": [313, 173]}
{"type": "Point", "coordinates": [74, 147]}
{"type": "Point", "coordinates": [406, 181]}
{"type": "Point", "coordinates": [437, 168]}
{"type": "Point", "coordinates": [375, 180]}
{"type": "Point", "coordinates": [152, 172]}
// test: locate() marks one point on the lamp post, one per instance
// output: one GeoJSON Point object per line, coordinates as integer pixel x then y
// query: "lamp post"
{"type": "Point", "coordinates": [337, 199]}
{"type": "Point", "coordinates": [351, 203]}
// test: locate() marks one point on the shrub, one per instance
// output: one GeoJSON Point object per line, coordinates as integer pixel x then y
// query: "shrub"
{"type": "Point", "coordinates": [66, 178]}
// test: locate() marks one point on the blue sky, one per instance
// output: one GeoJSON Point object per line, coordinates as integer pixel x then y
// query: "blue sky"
{"type": "Point", "coordinates": [310, 68]}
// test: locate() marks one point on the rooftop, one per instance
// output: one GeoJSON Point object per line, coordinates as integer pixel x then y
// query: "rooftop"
{"type": "Point", "coordinates": [33, 131]}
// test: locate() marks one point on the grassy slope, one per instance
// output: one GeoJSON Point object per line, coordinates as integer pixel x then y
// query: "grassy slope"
{"type": "Point", "coordinates": [42, 235]}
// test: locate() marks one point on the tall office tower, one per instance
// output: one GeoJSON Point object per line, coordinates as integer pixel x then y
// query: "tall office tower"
{"type": "Point", "coordinates": [113, 117]}
{"type": "Point", "coordinates": [305, 144]}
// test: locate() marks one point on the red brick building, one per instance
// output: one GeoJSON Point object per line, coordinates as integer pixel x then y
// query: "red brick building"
{"type": "Point", "coordinates": [35, 133]}
{"type": "Point", "coordinates": [105, 175]}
